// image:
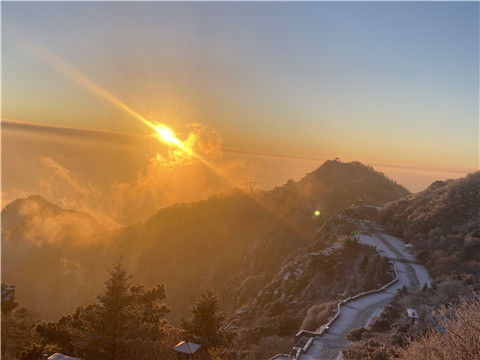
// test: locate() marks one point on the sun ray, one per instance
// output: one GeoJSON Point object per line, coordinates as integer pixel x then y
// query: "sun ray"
{"type": "Point", "coordinates": [161, 131]}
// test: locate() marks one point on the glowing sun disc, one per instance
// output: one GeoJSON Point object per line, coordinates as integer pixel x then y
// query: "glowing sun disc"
{"type": "Point", "coordinates": [166, 134]}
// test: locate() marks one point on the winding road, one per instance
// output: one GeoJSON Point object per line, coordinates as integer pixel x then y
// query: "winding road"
{"type": "Point", "coordinates": [361, 311]}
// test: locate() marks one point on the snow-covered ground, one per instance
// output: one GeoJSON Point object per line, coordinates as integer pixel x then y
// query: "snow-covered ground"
{"type": "Point", "coordinates": [361, 311]}
{"type": "Point", "coordinates": [420, 270]}
{"type": "Point", "coordinates": [58, 356]}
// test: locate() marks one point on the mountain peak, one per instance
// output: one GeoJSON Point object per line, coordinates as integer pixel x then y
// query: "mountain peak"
{"type": "Point", "coordinates": [22, 215]}
{"type": "Point", "coordinates": [338, 168]}
{"type": "Point", "coordinates": [29, 205]}
{"type": "Point", "coordinates": [354, 180]}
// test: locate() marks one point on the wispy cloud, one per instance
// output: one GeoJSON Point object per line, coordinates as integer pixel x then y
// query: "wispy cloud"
{"type": "Point", "coordinates": [116, 137]}
{"type": "Point", "coordinates": [64, 131]}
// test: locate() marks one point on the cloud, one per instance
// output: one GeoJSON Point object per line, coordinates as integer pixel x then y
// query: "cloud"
{"type": "Point", "coordinates": [207, 141]}
{"type": "Point", "coordinates": [42, 224]}
{"type": "Point", "coordinates": [67, 177]}
{"type": "Point", "coordinates": [169, 176]}
{"type": "Point", "coordinates": [173, 176]}
{"type": "Point", "coordinates": [89, 135]}
{"type": "Point", "coordinates": [64, 187]}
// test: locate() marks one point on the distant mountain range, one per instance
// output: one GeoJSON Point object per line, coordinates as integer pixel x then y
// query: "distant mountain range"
{"type": "Point", "coordinates": [57, 258]}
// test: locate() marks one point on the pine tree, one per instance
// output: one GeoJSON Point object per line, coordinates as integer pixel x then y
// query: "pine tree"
{"type": "Point", "coordinates": [205, 325]}
{"type": "Point", "coordinates": [127, 322]}
{"type": "Point", "coordinates": [114, 311]}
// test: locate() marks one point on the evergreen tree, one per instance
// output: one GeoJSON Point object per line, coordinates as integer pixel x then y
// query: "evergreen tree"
{"type": "Point", "coordinates": [127, 322]}
{"type": "Point", "coordinates": [114, 312]}
{"type": "Point", "coordinates": [206, 322]}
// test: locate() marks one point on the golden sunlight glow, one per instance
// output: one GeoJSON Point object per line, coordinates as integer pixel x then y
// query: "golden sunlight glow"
{"type": "Point", "coordinates": [162, 132]}
{"type": "Point", "coordinates": [165, 134]}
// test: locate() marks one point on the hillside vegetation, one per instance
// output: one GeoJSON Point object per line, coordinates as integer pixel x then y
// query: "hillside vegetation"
{"type": "Point", "coordinates": [303, 294]}
{"type": "Point", "coordinates": [443, 222]}
{"type": "Point", "coordinates": [456, 336]}
{"type": "Point", "coordinates": [275, 265]}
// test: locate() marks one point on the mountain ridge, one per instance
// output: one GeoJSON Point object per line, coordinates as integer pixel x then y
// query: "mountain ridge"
{"type": "Point", "coordinates": [213, 242]}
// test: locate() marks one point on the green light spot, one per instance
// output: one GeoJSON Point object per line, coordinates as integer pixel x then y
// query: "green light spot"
{"type": "Point", "coordinates": [317, 212]}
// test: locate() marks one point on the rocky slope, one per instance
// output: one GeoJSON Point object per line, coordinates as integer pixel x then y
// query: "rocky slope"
{"type": "Point", "coordinates": [304, 292]}
{"type": "Point", "coordinates": [443, 222]}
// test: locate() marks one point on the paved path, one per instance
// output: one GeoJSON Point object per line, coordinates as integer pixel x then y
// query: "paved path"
{"type": "Point", "coordinates": [358, 312]}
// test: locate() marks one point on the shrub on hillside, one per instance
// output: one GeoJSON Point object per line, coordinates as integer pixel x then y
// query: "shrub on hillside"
{"type": "Point", "coordinates": [270, 346]}
{"type": "Point", "coordinates": [459, 337]}
{"type": "Point", "coordinates": [370, 350]}
{"type": "Point", "coordinates": [380, 325]}
{"type": "Point", "coordinates": [356, 334]}
{"type": "Point", "coordinates": [318, 315]}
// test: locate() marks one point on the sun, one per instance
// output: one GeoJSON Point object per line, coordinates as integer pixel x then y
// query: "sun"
{"type": "Point", "coordinates": [168, 136]}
